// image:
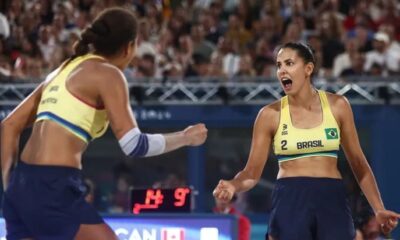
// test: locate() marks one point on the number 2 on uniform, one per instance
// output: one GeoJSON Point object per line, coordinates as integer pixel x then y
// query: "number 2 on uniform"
{"type": "Point", "coordinates": [283, 145]}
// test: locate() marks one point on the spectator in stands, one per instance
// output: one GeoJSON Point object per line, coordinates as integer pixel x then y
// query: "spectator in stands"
{"type": "Point", "coordinates": [210, 24]}
{"type": "Point", "coordinates": [237, 32]}
{"type": "Point", "coordinates": [293, 32]}
{"type": "Point", "coordinates": [344, 60]}
{"type": "Point", "coordinates": [272, 9]}
{"type": "Point", "coordinates": [184, 51]}
{"type": "Point", "coordinates": [299, 8]}
{"type": "Point", "coordinates": [377, 70]}
{"type": "Point", "coordinates": [200, 44]}
{"type": "Point", "coordinates": [390, 15]}
{"type": "Point", "coordinates": [389, 61]}
{"type": "Point", "coordinates": [165, 46]}
{"type": "Point", "coordinates": [28, 69]}
{"type": "Point", "coordinates": [216, 68]}
{"type": "Point", "coordinates": [14, 42]}
{"type": "Point", "coordinates": [362, 34]}
{"type": "Point", "coordinates": [331, 32]}
{"type": "Point", "coordinates": [48, 46]}
{"type": "Point", "coordinates": [146, 67]}
{"type": "Point", "coordinates": [145, 43]}
{"type": "Point", "coordinates": [246, 66]}
{"type": "Point", "coordinates": [267, 30]}
{"type": "Point", "coordinates": [199, 67]}
{"type": "Point", "coordinates": [227, 48]}
{"type": "Point", "coordinates": [244, 225]}
{"type": "Point", "coordinates": [394, 45]}
{"type": "Point", "coordinates": [357, 66]}
{"type": "Point", "coordinates": [263, 49]}
{"type": "Point", "coordinates": [33, 69]}
{"type": "Point", "coordinates": [261, 20]}
{"type": "Point", "coordinates": [4, 26]}
{"type": "Point", "coordinates": [59, 24]}
{"type": "Point", "coordinates": [172, 70]}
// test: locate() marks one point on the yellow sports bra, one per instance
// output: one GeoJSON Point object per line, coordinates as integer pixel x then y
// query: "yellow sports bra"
{"type": "Point", "coordinates": [61, 106]}
{"type": "Point", "coordinates": [292, 143]}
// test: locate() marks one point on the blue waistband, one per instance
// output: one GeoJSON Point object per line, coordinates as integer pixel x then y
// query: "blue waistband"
{"type": "Point", "coordinates": [306, 180]}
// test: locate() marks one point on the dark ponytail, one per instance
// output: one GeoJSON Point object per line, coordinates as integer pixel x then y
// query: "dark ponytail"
{"type": "Point", "coordinates": [112, 30]}
{"type": "Point", "coordinates": [81, 47]}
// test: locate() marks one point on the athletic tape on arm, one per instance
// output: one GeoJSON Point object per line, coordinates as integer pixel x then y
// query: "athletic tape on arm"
{"type": "Point", "coordinates": [137, 144]}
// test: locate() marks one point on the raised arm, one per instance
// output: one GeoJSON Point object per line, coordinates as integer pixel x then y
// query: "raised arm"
{"type": "Point", "coordinates": [247, 178]}
{"type": "Point", "coordinates": [114, 94]}
{"type": "Point", "coordinates": [12, 126]}
{"type": "Point", "coordinates": [360, 166]}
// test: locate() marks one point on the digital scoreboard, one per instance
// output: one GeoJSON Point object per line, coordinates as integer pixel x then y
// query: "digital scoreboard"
{"type": "Point", "coordinates": [154, 200]}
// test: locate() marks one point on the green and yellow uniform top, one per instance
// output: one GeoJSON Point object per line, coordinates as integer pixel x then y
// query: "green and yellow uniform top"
{"type": "Point", "coordinates": [61, 106]}
{"type": "Point", "coordinates": [292, 143]}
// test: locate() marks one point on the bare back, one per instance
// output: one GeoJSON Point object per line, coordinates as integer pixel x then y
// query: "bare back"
{"type": "Point", "coordinates": [52, 144]}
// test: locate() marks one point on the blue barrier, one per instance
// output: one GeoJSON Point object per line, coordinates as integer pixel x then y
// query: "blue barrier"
{"type": "Point", "coordinates": [168, 227]}
{"type": "Point", "coordinates": [379, 123]}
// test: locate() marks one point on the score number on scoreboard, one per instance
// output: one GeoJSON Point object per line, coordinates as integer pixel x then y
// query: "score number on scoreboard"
{"type": "Point", "coordinates": [161, 200]}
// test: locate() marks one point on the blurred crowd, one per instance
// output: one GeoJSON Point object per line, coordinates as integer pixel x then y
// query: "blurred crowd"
{"type": "Point", "coordinates": [208, 38]}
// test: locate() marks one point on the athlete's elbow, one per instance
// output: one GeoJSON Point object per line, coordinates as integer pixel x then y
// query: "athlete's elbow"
{"type": "Point", "coordinates": [256, 181]}
{"type": "Point", "coordinates": [7, 124]}
{"type": "Point", "coordinates": [361, 170]}
{"type": "Point", "coordinates": [4, 123]}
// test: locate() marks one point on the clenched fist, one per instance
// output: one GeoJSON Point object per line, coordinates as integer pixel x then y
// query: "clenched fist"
{"type": "Point", "coordinates": [196, 134]}
{"type": "Point", "coordinates": [388, 220]}
{"type": "Point", "coordinates": [224, 191]}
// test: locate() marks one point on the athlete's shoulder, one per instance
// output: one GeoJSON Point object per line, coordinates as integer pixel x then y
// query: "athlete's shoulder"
{"type": "Point", "coordinates": [337, 101]}
{"type": "Point", "coordinates": [269, 114]}
{"type": "Point", "coordinates": [104, 74]}
{"type": "Point", "coordinates": [268, 117]}
{"type": "Point", "coordinates": [340, 107]}
{"type": "Point", "coordinates": [271, 109]}
{"type": "Point", "coordinates": [103, 69]}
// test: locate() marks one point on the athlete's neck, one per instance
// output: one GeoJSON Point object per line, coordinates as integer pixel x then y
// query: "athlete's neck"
{"type": "Point", "coordinates": [115, 60]}
{"type": "Point", "coordinates": [304, 98]}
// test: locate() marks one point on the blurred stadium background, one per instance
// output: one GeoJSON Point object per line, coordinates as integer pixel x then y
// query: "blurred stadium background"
{"type": "Point", "coordinates": [212, 61]}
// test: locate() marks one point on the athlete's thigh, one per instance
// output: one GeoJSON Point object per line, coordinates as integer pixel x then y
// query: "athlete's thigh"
{"type": "Point", "coordinates": [95, 232]}
{"type": "Point", "coordinates": [333, 214]}
{"type": "Point", "coordinates": [15, 227]}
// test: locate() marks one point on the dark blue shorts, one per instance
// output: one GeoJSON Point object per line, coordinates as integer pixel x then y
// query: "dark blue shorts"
{"type": "Point", "coordinates": [46, 202]}
{"type": "Point", "coordinates": [310, 208]}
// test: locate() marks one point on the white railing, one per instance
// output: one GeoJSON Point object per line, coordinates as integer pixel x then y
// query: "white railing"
{"type": "Point", "coordinates": [359, 90]}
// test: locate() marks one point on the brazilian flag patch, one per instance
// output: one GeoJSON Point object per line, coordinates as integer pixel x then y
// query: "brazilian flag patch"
{"type": "Point", "coordinates": [331, 133]}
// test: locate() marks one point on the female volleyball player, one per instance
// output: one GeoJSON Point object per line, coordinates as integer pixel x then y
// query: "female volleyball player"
{"type": "Point", "coordinates": [45, 194]}
{"type": "Point", "coordinates": [305, 129]}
